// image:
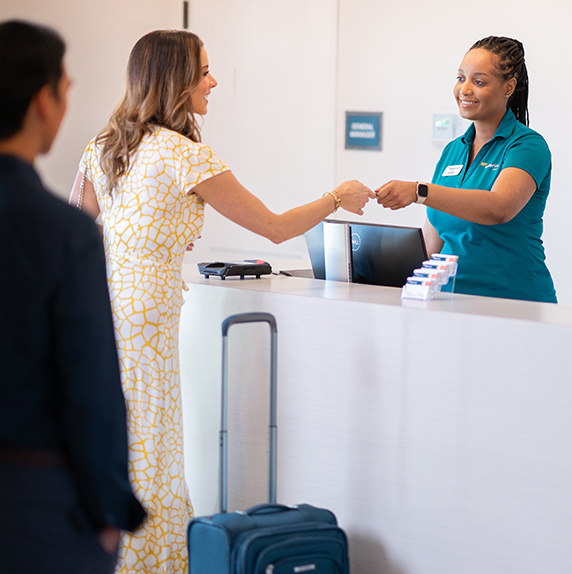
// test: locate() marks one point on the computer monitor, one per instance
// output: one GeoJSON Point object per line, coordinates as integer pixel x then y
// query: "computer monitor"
{"type": "Point", "coordinates": [377, 254]}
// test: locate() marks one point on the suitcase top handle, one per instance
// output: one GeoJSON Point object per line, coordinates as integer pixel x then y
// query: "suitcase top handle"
{"type": "Point", "coordinates": [267, 509]}
{"type": "Point", "coordinates": [248, 318]}
{"type": "Point", "coordinates": [272, 427]}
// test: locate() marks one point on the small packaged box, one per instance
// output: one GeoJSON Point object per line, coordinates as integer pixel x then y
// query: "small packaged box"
{"type": "Point", "coordinates": [447, 267]}
{"type": "Point", "coordinates": [422, 288]}
{"type": "Point", "coordinates": [453, 260]}
{"type": "Point", "coordinates": [442, 275]}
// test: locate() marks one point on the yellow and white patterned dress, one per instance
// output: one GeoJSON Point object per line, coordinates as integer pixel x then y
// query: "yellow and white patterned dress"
{"type": "Point", "coordinates": [148, 221]}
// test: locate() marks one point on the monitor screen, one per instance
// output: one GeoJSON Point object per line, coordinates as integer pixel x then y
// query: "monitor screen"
{"type": "Point", "coordinates": [380, 254]}
{"type": "Point", "coordinates": [385, 254]}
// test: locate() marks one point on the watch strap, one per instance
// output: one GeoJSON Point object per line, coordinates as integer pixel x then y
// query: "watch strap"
{"type": "Point", "coordinates": [422, 192]}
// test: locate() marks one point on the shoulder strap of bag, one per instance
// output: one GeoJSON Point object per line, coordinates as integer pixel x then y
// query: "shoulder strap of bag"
{"type": "Point", "coordinates": [80, 194]}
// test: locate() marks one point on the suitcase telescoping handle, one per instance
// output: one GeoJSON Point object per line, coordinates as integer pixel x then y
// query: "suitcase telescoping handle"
{"type": "Point", "coordinates": [272, 435]}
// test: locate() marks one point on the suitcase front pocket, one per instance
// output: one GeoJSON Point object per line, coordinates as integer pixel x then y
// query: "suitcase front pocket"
{"type": "Point", "coordinates": [300, 555]}
{"type": "Point", "coordinates": [311, 564]}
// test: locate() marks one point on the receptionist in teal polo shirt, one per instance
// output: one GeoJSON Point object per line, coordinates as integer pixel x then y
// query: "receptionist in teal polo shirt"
{"type": "Point", "coordinates": [488, 193]}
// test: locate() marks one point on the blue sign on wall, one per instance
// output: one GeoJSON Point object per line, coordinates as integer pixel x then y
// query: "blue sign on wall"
{"type": "Point", "coordinates": [363, 130]}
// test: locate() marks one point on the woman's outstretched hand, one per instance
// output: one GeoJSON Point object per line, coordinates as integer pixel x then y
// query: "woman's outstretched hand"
{"type": "Point", "coordinates": [354, 195]}
{"type": "Point", "coordinates": [397, 194]}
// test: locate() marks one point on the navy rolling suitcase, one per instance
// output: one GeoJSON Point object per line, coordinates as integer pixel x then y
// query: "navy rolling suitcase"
{"type": "Point", "coordinates": [269, 538]}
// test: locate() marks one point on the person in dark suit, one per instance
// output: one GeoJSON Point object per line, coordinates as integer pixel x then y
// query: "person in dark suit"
{"type": "Point", "coordinates": [64, 487]}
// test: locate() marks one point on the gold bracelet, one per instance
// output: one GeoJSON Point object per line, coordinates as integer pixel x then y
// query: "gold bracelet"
{"type": "Point", "coordinates": [336, 199]}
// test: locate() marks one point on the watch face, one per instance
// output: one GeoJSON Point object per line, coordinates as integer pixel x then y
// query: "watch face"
{"type": "Point", "coordinates": [422, 190]}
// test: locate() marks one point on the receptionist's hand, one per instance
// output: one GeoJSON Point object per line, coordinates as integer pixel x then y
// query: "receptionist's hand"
{"type": "Point", "coordinates": [397, 194]}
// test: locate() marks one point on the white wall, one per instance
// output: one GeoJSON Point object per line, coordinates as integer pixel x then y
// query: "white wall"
{"type": "Point", "coordinates": [287, 72]}
{"type": "Point", "coordinates": [271, 116]}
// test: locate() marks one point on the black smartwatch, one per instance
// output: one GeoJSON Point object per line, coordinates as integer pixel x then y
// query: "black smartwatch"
{"type": "Point", "coordinates": [422, 191]}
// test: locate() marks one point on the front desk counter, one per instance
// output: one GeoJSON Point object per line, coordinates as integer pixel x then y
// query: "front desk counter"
{"type": "Point", "coordinates": [438, 432]}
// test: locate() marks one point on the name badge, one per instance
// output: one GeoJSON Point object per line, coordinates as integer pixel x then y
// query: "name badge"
{"type": "Point", "coordinates": [452, 170]}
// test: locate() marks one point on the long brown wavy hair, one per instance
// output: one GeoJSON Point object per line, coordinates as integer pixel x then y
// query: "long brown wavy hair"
{"type": "Point", "coordinates": [163, 70]}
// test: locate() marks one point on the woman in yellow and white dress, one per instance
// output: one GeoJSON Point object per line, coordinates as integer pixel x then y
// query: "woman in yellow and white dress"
{"type": "Point", "coordinates": [149, 177]}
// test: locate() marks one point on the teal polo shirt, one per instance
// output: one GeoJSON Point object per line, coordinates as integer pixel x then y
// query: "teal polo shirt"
{"type": "Point", "coordinates": [505, 260]}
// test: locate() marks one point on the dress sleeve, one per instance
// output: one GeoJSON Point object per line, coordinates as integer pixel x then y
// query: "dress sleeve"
{"type": "Point", "coordinates": [531, 154]}
{"type": "Point", "coordinates": [199, 163]}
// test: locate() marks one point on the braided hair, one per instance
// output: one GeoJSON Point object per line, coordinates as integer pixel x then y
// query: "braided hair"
{"type": "Point", "coordinates": [510, 64]}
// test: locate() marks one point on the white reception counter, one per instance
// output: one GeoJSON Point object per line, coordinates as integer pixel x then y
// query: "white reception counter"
{"type": "Point", "coordinates": [438, 432]}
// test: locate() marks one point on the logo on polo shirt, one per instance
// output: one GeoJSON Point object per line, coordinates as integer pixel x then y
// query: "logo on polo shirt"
{"type": "Point", "coordinates": [493, 166]}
